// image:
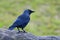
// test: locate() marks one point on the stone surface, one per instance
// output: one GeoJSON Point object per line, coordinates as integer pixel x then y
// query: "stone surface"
{"type": "Point", "coordinates": [13, 35]}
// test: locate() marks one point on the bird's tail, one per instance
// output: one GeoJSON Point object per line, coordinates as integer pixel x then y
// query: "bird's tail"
{"type": "Point", "coordinates": [11, 27]}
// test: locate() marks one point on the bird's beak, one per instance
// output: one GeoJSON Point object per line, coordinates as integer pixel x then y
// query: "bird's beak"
{"type": "Point", "coordinates": [33, 11]}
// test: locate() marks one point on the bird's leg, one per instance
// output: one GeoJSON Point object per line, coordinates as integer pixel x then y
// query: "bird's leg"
{"type": "Point", "coordinates": [18, 30]}
{"type": "Point", "coordinates": [23, 30]}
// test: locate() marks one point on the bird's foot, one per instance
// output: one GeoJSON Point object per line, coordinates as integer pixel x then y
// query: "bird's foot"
{"type": "Point", "coordinates": [19, 31]}
{"type": "Point", "coordinates": [24, 32]}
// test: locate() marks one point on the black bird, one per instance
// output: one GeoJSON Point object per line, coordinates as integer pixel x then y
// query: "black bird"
{"type": "Point", "coordinates": [22, 20]}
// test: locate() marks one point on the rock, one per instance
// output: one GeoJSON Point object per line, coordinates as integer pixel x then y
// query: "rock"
{"type": "Point", "coordinates": [13, 35]}
{"type": "Point", "coordinates": [7, 38]}
{"type": "Point", "coordinates": [49, 38]}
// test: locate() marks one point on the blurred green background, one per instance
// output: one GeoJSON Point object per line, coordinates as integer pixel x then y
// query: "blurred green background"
{"type": "Point", "coordinates": [45, 20]}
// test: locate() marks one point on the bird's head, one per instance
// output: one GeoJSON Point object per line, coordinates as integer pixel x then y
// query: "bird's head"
{"type": "Point", "coordinates": [29, 11]}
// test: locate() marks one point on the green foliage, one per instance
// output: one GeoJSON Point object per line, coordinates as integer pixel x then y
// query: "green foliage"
{"type": "Point", "coordinates": [45, 20]}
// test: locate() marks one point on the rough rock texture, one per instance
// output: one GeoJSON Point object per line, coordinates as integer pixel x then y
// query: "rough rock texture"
{"type": "Point", "coordinates": [13, 35]}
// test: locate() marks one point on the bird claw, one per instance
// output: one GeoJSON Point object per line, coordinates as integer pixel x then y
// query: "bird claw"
{"type": "Point", "coordinates": [21, 32]}
{"type": "Point", "coordinates": [24, 32]}
{"type": "Point", "coordinates": [18, 31]}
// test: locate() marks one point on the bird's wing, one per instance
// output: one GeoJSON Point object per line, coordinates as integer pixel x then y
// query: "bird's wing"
{"type": "Point", "coordinates": [21, 21]}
